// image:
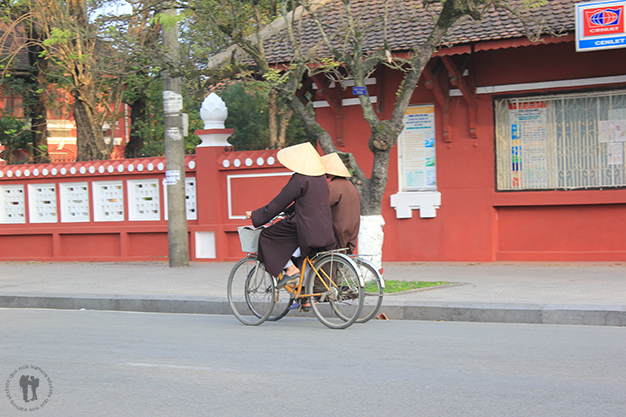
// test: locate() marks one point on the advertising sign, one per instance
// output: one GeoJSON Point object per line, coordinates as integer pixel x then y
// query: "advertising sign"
{"type": "Point", "coordinates": [418, 170]}
{"type": "Point", "coordinates": [600, 25]}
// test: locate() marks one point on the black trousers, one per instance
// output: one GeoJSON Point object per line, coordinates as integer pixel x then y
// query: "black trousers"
{"type": "Point", "coordinates": [276, 245]}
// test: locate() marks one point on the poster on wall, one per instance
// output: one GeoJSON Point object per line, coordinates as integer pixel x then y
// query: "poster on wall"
{"type": "Point", "coordinates": [529, 133]}
{"type": "Point", "coordinates": [615, 153]}
{"type": "Point", "coordinates": [600, 25]}
{"type": "Point", "coordinates": [613, 134]}
{"type": "Point", "coordinates": [614, 128]}
{"type": "Point", "coordinates": [418, 170]}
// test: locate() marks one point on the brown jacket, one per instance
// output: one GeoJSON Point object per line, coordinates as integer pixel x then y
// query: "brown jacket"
{"type": "Point", "coordinates": [310, 225]}
{"type": "Point", "coordinates": [345, 205]}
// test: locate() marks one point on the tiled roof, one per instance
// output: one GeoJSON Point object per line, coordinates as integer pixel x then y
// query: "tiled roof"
{"type": "Point", "coordinates": [410, 24]}
{"type": "Point", "coordinates": [13, 47]}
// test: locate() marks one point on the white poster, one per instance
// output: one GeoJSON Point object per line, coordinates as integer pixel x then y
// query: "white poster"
{"type": "Point", "coordinates": [612, 131]}
{"type": "Point", "coordinates": [418, 169]}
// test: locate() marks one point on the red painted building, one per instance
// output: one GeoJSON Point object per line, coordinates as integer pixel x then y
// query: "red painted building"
{"type": "Point", "coordinates": [61, 128]}
{"type": "Point", "coordinates": [528, 149]}
{"type": "Point", "coordinates": [480, 218]}
{"type": "Point", "coordinates": [513, 151]}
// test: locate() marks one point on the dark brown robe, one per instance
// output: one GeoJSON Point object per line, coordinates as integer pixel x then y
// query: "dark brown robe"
{"type": "Point", "coordinates": [308, 227]}
{"type": "Point", "coordinates": [345, 205]}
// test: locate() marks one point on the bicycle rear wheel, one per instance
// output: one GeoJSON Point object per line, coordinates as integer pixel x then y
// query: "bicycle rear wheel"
{"type": "Point", "coordinates": [373, 288]}
{"type": "Point", "coordinates": [250, 291]}
{"type": "Point", "coordinates": [338, 295]}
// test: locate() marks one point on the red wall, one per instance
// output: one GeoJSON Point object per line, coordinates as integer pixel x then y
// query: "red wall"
{"type": "Point", "coordinates": [475, 222]}
{"type": "Point", "coordinates": [223, 195]}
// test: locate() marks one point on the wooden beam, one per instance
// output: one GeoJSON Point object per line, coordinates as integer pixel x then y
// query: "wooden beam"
{"type": "Point", "coordinates": [468, 90]}
{"type": "Point", "coordinates": [334, 100]}
{"type": "Point", "coordinates": [441, 96]}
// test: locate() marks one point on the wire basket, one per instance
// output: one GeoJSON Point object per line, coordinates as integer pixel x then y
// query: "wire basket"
{"type": "Point", "coordinates": [249, 238]}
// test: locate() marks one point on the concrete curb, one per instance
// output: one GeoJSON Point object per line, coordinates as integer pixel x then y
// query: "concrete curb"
{"type": "Point", "coordinates": [580, 314]}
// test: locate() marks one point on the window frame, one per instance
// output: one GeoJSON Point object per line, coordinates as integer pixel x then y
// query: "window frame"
{"type": "Point", "coordinates": [586, 137]}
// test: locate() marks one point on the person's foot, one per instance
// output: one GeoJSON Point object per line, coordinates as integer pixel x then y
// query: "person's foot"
{"type": "Point", "coordinates": [292, 270]}
{"type": "Point", "coordinates": [288, 279]}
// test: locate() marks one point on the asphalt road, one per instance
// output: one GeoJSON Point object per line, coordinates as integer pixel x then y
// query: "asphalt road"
{"type": "Point", "coordinates": [141, 364]}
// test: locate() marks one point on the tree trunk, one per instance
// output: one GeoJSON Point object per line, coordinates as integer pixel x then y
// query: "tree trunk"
{"type": "Point", "coordinates": [39, 129]}
{"type": "Point", "coordinates": [272, 107]}
{"type": "Point", "coordinates": [285, 117]}
{"type": "Point", "coordinates": [137, 116]}
{"type": "Point", "coordinates": [89, 137]}
{"type": "Point", "coordinates": [36, 107]}
{"type": "Point", "coordinates": [8, 154]}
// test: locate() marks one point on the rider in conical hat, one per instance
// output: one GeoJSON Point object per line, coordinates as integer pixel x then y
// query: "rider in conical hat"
{"type": "Point", "coordinates": [345, 203]}
{"type": "Point", "coordinates": [309, 224]}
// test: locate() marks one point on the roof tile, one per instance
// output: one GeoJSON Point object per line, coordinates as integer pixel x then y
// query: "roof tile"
{"type": "Point", "coordinates": [411, 23]}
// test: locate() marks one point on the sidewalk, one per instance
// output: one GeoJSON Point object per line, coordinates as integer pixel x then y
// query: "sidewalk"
{"type": "Point", "coordinates": [556, 293]}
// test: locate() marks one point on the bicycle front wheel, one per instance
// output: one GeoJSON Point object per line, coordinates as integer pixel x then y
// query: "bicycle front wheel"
{"type": "Point", "coordinates": [282, 306]}
{"type": "Point", "coordinates": [250, 291]}
{"type": "Point", "coordinates": [337, 297]}
{"type": "Point", "coordinates": [373, 288]}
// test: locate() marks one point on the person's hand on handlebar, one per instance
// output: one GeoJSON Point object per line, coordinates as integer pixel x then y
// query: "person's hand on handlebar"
{"type": "Point", "coordinates": [248, 214]}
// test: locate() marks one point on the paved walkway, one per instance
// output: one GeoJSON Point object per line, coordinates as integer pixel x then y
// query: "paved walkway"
{"type": "Point", "coordinates": [560, 293]}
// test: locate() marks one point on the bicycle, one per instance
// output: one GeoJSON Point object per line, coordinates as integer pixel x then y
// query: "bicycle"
{"type": "Point", "coordinates": [373, 287]}
{"type": "Point", "coordinates": [332, 285]}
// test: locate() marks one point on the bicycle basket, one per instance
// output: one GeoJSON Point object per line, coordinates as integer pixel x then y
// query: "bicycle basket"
{"type": "Point", "coordinates": [249, 238]}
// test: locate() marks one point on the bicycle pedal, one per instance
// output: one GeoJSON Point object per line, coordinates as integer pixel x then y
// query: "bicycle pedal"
{"type": "Point", "coordinates": [287, 279]}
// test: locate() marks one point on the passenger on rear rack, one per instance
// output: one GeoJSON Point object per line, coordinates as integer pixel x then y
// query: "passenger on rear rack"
{"type": "Point", "coordinates": [345, 203]}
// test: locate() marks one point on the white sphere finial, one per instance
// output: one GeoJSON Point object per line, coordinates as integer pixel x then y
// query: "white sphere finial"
{"type": "Point", "coordinates": [213, 112]}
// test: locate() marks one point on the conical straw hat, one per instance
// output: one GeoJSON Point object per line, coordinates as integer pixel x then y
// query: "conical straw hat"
{"type": "Point", "coordinates": [335, 166]}
{"type": "Point", "coordinates": [303, 159]}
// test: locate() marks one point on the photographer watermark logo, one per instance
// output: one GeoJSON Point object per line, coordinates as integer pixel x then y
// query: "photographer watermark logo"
{"type": "Point", "coordinates": [28, 388]}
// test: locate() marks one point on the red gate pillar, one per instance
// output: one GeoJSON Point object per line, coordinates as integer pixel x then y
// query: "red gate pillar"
{"type": "Point", "coordinates": [210, 238]}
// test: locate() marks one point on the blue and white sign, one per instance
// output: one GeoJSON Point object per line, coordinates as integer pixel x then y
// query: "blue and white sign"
{"type": "Point", "coordinates": [600, 25]}
{"type": "Point", "coordinates": [359, 91]}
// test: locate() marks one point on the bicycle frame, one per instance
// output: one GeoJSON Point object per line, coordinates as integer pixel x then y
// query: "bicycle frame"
{"type": "Point", "coordinates": [296, 290]}
{"type": "Point", "coordinates": [363, 259]}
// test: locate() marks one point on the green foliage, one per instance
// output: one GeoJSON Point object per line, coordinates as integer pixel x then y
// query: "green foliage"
{"type": "Point", "coordinates": [14, 132]}
{"type": "Point", "coordinates": [14, 135]}
{"type": "Point", "coordinates": [58, 36]}
{"type": "Point", "coordinates": [149, 90]}
{"type": "Point", "coordinates": [153, 138]}
{"type": "Point", "coordinates": [168, 20]}
{"type": "Point", "coordinates": [248, 115]}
